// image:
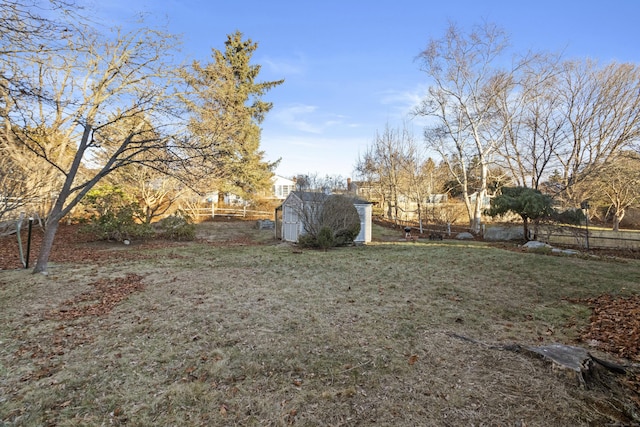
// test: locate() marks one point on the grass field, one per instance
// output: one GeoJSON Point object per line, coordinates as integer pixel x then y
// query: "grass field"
{"type": "Point", "coordinates": [239, 329]}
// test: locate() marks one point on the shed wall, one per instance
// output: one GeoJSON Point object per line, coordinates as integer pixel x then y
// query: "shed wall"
{"type": "Point", "coordinates": [364, 212]}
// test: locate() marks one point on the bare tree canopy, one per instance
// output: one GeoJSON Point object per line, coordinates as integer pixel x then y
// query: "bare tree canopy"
{"type": "Point", "coordinates": [384, 163]}
{"type": "Point", "coordinates": [615, 186]}
{"type": "Point", "coordinates": [569, 117]}
{"type": "Point", "coordinates": [462, 104]}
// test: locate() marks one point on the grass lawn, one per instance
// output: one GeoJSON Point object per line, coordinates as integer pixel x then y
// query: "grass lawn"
{"type": "Point", "coordinates": [239, 329]}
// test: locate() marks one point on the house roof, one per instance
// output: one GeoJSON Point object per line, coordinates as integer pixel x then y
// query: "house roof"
{"type": "Point", "coordinates": [279, 180]}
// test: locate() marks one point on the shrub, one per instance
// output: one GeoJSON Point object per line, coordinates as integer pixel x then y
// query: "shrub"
{"type": "Point", "coordinates": [569, 216]}
{"type": "Point", "coordinates": [118, 225]}
{"type": "Point", "coordinates": [307, 241]}
{"type": "Point", "coordinates": [113, 215]}
{"type": "Point", "coordinates": [178, 226]}
{"type": "Point", "coordinates": [346, 236]}
{"type": "Point", "coordinates": [334, 222]}
{"type": "Point", "coordinates": [341, 217]}
{"type": "Point", "coordinates": [325, 238]}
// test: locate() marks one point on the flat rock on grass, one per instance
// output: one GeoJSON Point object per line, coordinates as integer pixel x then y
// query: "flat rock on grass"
{"type": "Point", "coordinates": [464, 236]}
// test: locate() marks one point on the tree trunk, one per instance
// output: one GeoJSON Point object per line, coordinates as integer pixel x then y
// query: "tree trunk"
{"type": "Point", "coordinates": [47, 244]}
{"type": "Point", "coordinates": [480, 194]}
{"type": "Point", "coordinates": [476, 220]}
{"type": "Point", "coordinates": [617, 218]}
{"type": "Point", "coordinates": [59, 211]}
{"type": "Point", "coordinates": [525, 229]}
{"type": "Point", "coordinates": [467, 205]}
{"type": "Point", "coordinates": [477, 213]}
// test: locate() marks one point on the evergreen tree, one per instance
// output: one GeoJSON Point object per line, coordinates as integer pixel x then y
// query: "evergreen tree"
{"type": "Point", "coordinates": [529, 203]}
{"type": "Point", "coordinates": [227, 110]}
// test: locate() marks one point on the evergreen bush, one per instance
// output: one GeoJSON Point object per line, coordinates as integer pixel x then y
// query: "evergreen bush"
{"type": "Point", "coordinates": [113, 215]}
{"type": "Point", "coordinates": [325, 239]}
{"type": "Point", "coordinates": [178, 226]}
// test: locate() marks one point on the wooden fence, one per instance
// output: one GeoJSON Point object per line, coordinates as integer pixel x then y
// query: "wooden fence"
{"type": "Point", "coordinates": [239, 212]}
{"type": "Point", "coordinates": [596, 238]}
{"type": "Point", "coordinates": [554, 235]}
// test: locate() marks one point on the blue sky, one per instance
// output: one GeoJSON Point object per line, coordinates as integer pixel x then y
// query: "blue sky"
{"type": "Point", "coordinates": [349, 66]}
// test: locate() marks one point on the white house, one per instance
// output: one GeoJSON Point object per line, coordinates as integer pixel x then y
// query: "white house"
{"type": "Point", "coordinates": [282, 187]}
{"type": "Point", "coordinates": [291, 225]}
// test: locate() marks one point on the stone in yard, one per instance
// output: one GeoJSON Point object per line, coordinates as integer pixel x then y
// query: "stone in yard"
{"type": "Point", "coordinates": [464, 236]}
{"type": "Point", "coordinates": [565, 251]}
{"type": "Point", "coordinates": [534, 244]}
{"type": "Point", "coordinates": [265, 224]}
{"type": "Point", "coordinates": [498, 232]}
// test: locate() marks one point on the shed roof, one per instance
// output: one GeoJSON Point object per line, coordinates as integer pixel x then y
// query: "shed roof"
{"type": "Point", "coordinates": [314, 196]}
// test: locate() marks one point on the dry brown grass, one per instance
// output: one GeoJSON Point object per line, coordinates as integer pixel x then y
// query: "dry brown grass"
{"type": "Point", "coordinates": [223, 332]}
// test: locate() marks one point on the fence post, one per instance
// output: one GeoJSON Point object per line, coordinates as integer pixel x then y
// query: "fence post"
{"type": "Point", "coordinates": [585, 205]}
{"type": "Point", "coordinates": [26, 264]}
{"type": "Point", "coordinates": [18, 229]}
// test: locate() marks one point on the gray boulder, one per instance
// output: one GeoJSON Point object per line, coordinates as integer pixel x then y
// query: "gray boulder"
{"type": "Point", "coordinates": [500, 232]}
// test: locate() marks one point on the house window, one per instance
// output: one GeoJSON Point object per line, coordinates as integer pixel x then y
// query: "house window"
{"type": "Point", "coordinates": [282, 191]}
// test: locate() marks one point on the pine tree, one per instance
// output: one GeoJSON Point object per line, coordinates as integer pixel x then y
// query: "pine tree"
{"type": "Point", "coordinates": [227, 111]}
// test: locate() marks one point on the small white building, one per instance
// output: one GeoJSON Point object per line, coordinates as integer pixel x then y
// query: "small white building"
{"type": "Point", "coordinates": [290, 226]}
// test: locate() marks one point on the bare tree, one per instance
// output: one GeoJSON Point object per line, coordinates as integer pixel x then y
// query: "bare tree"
{"type": "Point", "coordinates": [80, 122]}
{"type": "Point", "coordinates": [568, 118]}
{"type": "Point", "coordinates": [324, 184]}
{"type": "Point", "coordinates": [14, 193]}
{"type": "Point", "coordinates": [30, 26]}
{"type": "Point", "coordinates": [156, 191]}
{"type": "Point", "coordinates": [601, 105]}
{"type": "Point", "coordinates": [616, 185]}
{"type": "Point", "coordinates": [383, 166]}
{"type": "Point", "coordinates": [27, 40]}
{"type": "Point", "coordinates": [463, 105]}
{"type": "Point", "coordinates": [534, 123]}
{"type": "Point", "coordinates": [419, 178]}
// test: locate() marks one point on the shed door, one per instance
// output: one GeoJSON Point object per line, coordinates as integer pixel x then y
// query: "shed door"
{"type": "Point", "coordinates": [289, 224]}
